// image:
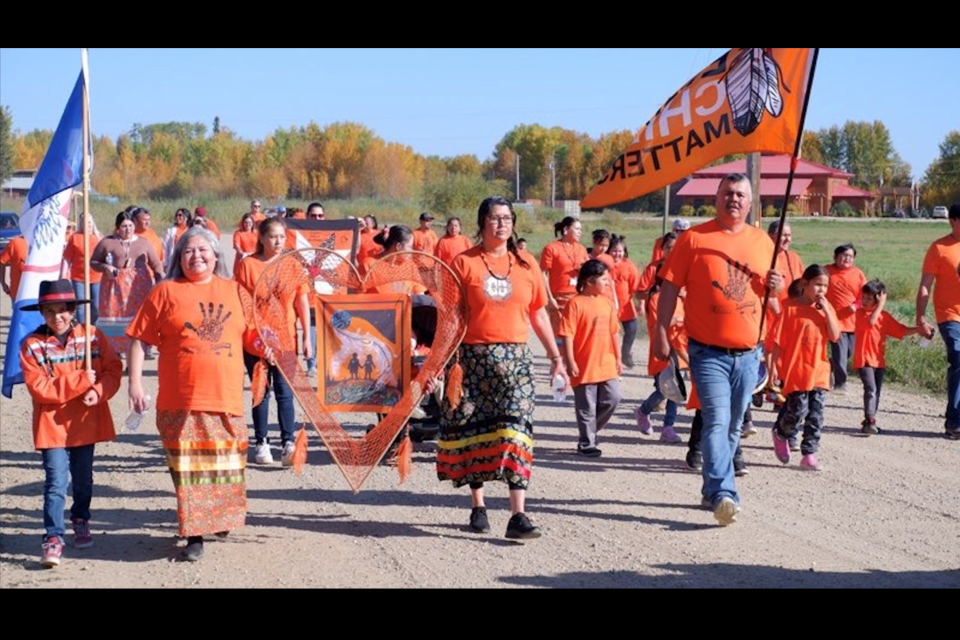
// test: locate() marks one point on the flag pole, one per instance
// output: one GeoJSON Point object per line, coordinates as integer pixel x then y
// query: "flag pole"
{"type": "Point", "coordinates": [793, 168]}
{"type": "Point", "coordinates": [86, 208]}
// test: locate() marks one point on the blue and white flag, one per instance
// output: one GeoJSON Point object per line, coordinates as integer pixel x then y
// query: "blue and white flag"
{"type": "Point", "coordinates": [43, 223]}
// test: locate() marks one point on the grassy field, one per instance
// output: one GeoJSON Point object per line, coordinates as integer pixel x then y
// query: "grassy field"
{"type": "Point", "coordinates": [891, 250]}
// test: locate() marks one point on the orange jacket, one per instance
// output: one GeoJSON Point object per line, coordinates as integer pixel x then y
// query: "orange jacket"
{"type": "Point", "coordinates": [57, 381]}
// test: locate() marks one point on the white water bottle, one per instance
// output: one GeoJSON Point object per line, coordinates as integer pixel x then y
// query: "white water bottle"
{"type": "Point", "coordinates": [134, 419]}
{"type": "Point", "coordinates": [559, 388]}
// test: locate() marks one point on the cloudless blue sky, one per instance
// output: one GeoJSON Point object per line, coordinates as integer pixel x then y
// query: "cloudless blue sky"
{"type": "Point", "coordinates": [448, 102]}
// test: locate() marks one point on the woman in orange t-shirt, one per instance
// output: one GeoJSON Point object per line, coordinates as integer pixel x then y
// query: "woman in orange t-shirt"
{"type": "Point", "coordinates": [395, 239]}
{"type": "Point", "coordinates": [592, 352]}
{"type": "Point", "coordinates": [489, 435]}
{"type": "Point", "coordinates": [560, 263]}
{"type": "Point", "coordinates": [73, 269]}
{"type": "Point", "coordinates": [201, 322]}
{"type": "Point", "coordinates": [244, 240]}
{"type": "Point", "coordinates": [453, 243]}
{"type": "Point", "coordinates": [806, 324]}
{"type": "Point", "coordinates": [294, 300]}
{"type": "Point", "coordinates": [626, 282]}
{"type": "Point", "coordinates": [846, 282]}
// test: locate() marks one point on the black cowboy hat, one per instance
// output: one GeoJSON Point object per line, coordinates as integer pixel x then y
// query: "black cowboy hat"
{"type": "Point", "coordinates": [53, 291]}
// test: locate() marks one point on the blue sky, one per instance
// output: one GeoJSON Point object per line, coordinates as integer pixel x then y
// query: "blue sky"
{"type": "Point", "coordinates": [451, 101]}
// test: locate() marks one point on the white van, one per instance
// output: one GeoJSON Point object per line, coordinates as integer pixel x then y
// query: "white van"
{"type": "Point", "coordinates": [939, 213]}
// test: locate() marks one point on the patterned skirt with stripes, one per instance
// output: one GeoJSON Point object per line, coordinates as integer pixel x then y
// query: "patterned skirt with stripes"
{"type": "Point", "coordinates": [490, 435]}
{"type": "Point", "coordinates": [120, 299]}
{"type": "Point", "coordinates": [207, 455]}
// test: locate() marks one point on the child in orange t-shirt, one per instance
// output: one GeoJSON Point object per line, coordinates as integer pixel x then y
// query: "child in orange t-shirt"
{"type": "Point", "coordinates": [873, 327]}
{"type": "Point", "coordinates": [649, 290]}
{"type": "Point", "coordinates": [592, 351]}
{"type": "Point", "coordinates": [807, 323]}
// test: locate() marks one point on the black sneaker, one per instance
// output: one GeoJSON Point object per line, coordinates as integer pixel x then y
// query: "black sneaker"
{"type": "Point", "coordinates": [694, 460]}
{"type": "Point", "coordinates": [478, 520]}
{"type": "Point", "coordinates": [193, 551]}
{"type": "Point", "coordinates": [520, 528]}
{"type": "Point", "coordinates": [589, 452]}
{"type": "Point", "coordinates": [739, 467]}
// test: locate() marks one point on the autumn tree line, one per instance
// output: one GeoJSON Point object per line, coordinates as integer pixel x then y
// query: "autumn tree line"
{"type": "Point", "coordinates": [346, 160]}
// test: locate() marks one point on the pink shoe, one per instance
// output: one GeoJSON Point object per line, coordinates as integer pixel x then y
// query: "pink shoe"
{"type": "Point", "coordinates": [643, 421]}
{"type": "Point", "coordinates": [82, 538]}
{"type": "Point", "coordinates": [809, 462]}
{"type": "Point", "coordinates": [670, 436]}
{"type": "Point", "coordinates": [781, 447]}
{"type": "Point", "coordinates": [51, 549]}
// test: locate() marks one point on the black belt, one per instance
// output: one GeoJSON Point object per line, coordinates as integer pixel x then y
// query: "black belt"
{"type": "Point", "coordinates": [727, 350]}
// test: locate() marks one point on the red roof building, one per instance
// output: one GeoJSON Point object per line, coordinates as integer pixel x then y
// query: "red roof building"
{"type": "Point", "coordinates": [816, 187]}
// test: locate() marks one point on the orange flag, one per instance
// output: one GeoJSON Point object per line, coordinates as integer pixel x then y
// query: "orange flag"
{"type": "Point", "coordinates": [747, 100]}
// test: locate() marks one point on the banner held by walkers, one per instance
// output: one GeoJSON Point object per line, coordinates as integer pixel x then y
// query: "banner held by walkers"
{"type": "Point", "coordinates": [747, 100]}
{"type": "Point", "coordinates": [43, 222]}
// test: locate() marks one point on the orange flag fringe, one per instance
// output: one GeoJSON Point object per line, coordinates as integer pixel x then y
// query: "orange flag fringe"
{"type": "Point", "coordinates": [300, 450]}
{"type": "Point", "coordinates": [258, 382]}
{"type": "Point", "coordinates": [747, 100]}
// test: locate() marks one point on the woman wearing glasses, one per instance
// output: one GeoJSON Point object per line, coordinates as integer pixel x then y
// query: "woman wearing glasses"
{"type": "Point", "coordinates": [489, 435]}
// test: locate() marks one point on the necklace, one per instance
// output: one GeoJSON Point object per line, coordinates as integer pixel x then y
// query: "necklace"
{"type": "Point", "coordinates": [571, 252]}
{"type": "Point", "coordinates": [509, 268]}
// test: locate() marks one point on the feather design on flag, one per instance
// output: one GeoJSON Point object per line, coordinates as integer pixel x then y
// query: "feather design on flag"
{"type": "Point", "coordinates": [753, 86]}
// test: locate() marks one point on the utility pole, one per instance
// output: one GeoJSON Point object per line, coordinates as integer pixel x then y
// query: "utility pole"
{"type": "Point", "coordinates": [553, 180]}
{"type": "Point", "coordinates": [518, 176]}
{"type": "Point", "coordinates": [753, 172]}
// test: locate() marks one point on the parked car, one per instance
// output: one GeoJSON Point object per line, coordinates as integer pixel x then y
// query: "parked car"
{"type": "Point", "coordinates": [939, 213]}
{"type": "Point", "coordinates": [9, 228]}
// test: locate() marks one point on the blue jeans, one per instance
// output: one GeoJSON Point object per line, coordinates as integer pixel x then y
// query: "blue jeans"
{"type": "Point", "coordinates": [655, 398]}
{"type": "Point", "coordinates": [312, 362]}
{"type": "Point", "coordinates": [951, 337]}
{"type": "Point", "coordinates": [725, 384]}
{"type": "Point", "coordinates": [261, 412]}
{"type": "Point", "coordinates": [94, 301]}
{"type": "Point", "coordinates": [59, 465]}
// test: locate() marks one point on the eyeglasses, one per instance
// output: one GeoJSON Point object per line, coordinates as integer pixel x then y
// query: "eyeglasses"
{"type": "Point", "coordinates": [500, 220]}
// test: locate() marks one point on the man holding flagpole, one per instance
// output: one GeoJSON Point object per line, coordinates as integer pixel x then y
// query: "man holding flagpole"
{"type": "Point", "coordinates": [43, 222]}
{"type": "Point", "coordinates": [720, 264]}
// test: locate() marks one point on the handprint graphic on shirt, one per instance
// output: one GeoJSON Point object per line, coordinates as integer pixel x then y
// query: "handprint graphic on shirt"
{"type": "Point", "coordinates": [738, 279]}
{"type": "Point", "coordinates": [211, 327]}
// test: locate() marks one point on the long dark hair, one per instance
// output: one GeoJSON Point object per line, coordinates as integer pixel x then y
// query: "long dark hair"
{"type": "Point", "coordinates": [615, 241]}
{"type": "Point", "coordinates": [264, 229]}
{"type": "Point", "coordinates": [484, 211]}
{"type": "Point", "coordinates": [397, 234]}
{"type": "Point", "coordinates": [590, 270]}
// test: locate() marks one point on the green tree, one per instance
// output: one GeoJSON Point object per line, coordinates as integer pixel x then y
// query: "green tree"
{"type": "Point", "coordinates": [941, 183]}
{"type": "Point", "coordinates": [6, 147]}
{"type": "Point", "coordinates": [864, 149]}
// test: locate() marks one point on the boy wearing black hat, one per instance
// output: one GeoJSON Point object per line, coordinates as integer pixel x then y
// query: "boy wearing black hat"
{"type": "Point", "coordinates": [70, 410]}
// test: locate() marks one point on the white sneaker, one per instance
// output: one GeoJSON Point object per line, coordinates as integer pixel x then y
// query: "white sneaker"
{"type": "Point", "coordinates": [286, 458]}
{"type": "Point", "coordinates": [262, 454]}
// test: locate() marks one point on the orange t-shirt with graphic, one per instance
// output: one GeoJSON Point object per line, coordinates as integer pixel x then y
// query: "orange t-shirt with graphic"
{"type": "Point", "coordinates": [449, 248]}
{"type": "Point", "coordinates": [591, 322]}
{"type": "Point", "coordinates": [802, 338]}
{"type": "Point", "coordinates": [425, 241]}
{"type": "Point", "coordinates": [15, 256]}
{"type": "Point", "coordinates": [199, 330]}
{"type": "Point", "coordinates": [562, 261]}
{"type": "Point", "coordinates": [500, 297]}
{"type": "Point", "coordinates": [845, 290]}
{"type": "Point", "coordinates": [73, 253]}
{"type": "Point", "coordinates": [870, 345]}
{"type": "Point", "coordinates": [941, 261]}
{"type": "Point", "coordinates": [725, 277]}
{"type": "Point", "coordinates": [626, 282]}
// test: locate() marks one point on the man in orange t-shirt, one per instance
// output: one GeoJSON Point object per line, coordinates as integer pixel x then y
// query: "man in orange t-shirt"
{"type": "Point", "coordinates": [942, 264]}
{"type": "Point", "coordinates": [13, 256]}
{"type": "Point", "coordinates": [846, 283]}
{"type": "Point", "coordinates": [721, 264]}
